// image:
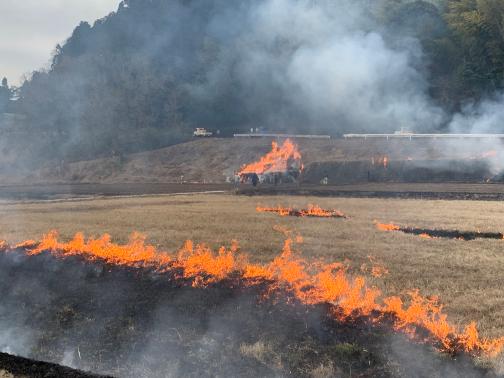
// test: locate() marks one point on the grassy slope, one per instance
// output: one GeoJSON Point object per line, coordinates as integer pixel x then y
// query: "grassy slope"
{"type": "Point", "coordinates": [211, 160]}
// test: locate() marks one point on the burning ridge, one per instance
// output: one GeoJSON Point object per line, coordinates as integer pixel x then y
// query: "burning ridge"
{"type": "Point", "coordinates": [279, 159]}
{"type": "Point", "coordinates": [433, 233]}
{"type": "Point", "coordinates": [309, 283]}
{"type": "Point", "coordinates": [311, 211]}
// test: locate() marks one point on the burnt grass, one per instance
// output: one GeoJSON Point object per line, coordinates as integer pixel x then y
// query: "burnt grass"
{"type": "Point", "coordinates": [138, 323]}
{"type": "Point", "coordinates": [26, 367]}
{"type": "Point", "coordinates": [452, 234]}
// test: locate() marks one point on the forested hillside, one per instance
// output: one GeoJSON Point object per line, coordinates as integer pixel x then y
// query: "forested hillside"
{"type": "Point", "coordinates": [144, 76]}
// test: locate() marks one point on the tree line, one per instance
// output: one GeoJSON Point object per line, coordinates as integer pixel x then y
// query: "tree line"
{"type": "Point", "coordinates": [138, 79]}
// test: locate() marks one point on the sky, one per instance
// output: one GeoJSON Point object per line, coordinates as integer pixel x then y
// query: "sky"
{"type": "Point", "coordinates": [31, 29]}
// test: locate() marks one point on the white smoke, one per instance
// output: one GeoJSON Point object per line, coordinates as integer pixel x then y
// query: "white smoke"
{"type": "Point", "coordinates": [322, 60]}
{"type": "Point", "coordinates": [486, 116]}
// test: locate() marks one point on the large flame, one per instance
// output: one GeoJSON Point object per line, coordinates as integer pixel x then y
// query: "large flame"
{"type": "Point", "coordinates": [311, 283]}
{"type": "Point", "coordinates": [279, 159]}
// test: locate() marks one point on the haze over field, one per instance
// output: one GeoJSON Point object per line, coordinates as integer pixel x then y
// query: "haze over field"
{"type": "Point", "coordinates": [146, 75]}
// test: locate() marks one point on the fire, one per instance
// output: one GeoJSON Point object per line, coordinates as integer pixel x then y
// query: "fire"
{"type": "Point", "coordinates": [317, 211]}
{"type": "Point", "coordinates": [376, 269]}
{"type": "Point", "coordinates": [382, 160]}
{"type": "Point", "coordinates": [135, 253]}
{"type": "Point", "coordinates": [282, 211]}
{"type": "Point", "coordinates": [311, 211]}
{"type": "Point", "coordinates": [279, 159]}
{"type": "Point", "coordinates": [425, 236]}
{"type": "Point", "coordinates": [387, 227]}
{"type": "Point", "coordinates": [310, 283]}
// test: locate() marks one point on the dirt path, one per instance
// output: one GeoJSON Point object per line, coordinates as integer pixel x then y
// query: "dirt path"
{"type": "Point", "coordinates": [63, 191]}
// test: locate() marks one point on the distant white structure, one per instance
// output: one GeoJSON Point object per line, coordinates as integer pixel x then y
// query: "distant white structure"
{"type": "Point", "coordinates": [264, 135]}
{"type": "Point", "coordinates": [202, 132]}
{"type": "Point", "coordinates": [410, 136]}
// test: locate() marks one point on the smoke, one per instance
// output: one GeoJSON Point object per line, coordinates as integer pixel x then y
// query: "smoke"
{"type": "Point", "coordinates": [146, 75]}
{"type": "Point", "coordinates": [483, 117]}
{"type": "Point", "coordinates": [422, 362]}
{"type": "Point", "coordinates": [132, 322]}
{"type": "Point", "coordinates": [486, 116]}
{"type": "Point", "coordinates": [321, 65]}
{"type": "Point", "coordinates": [15, 336]}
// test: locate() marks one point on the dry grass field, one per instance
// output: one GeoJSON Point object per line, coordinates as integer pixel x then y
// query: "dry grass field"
{"type": "Point", "coordinates": [467, 275]}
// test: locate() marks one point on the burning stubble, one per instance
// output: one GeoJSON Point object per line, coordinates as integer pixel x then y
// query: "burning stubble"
{"type": "Point", "coordinates": [282, 164]}
{"type": "Point", "coordinates": [311, 284]}
{"type": "Point", "coordinates": [313, 211]}
{"type": "Point", "coordinates": [127, 297]}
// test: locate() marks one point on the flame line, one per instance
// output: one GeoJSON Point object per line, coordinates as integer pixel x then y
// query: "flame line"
{"type": "Point", "coordinates": [311, 211]}
{"type": "Point", "coordinates": [310, 283]}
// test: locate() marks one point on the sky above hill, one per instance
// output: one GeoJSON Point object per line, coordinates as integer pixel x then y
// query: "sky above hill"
{"type": "Point", "coordinates": [30, 30]}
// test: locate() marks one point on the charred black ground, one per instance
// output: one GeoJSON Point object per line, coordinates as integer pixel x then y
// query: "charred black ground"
{"type": "Point", "coordinates": [441, 191]}
{"type": "Point", "coordinates": [454, 191]}
{"type": "Point", "coordinates": [134, 322]}
{"type": "Point", "coordinates": [25, 367]}
{"type": "Point", "coordinates": [452, 234]}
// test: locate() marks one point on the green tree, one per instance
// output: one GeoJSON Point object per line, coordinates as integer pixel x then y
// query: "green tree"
{"type": "Point", "coordinates": [477, 30]}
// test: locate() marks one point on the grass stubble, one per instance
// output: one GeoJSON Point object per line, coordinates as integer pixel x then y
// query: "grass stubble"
{"type": "Point", "coordinates": [466, 275]}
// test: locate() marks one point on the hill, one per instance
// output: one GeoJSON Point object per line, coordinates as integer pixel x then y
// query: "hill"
{"type": "Point", "coordinates": [214, 160]}
{"type": "Point", "coordinates": [144, 76]}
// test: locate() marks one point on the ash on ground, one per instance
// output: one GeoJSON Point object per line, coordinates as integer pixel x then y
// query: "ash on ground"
{"type": "Point", "coordinates": [136, 323]}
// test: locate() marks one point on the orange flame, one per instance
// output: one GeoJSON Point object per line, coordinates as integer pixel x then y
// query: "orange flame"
{"type": "Point", "coordinates": [310, 282]}
{"type": "Point", "coordinates": [382, 160]}
{"type": "Point", "coordinates": [376, 269]}
{"type": "Point", "coordinates": [311, 211]}
{"type": "Point", "coordinates": [282, 211]}
{"type": "Point", "coordinates": [425, 236]}
{"type": "Point", "coordinates": [387, 227]}
{"type": "Point", "coordinates": [279, 159]}
{"type": "Point", "coordinates": [317, 211]}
